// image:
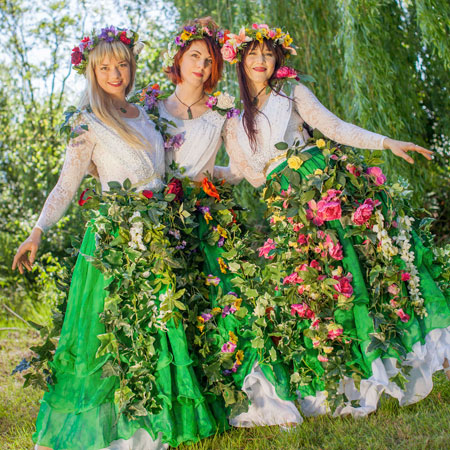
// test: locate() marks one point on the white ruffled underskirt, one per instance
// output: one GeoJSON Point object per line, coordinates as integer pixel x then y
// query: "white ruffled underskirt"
{"type": "Point", "coordinates": [267, 408]}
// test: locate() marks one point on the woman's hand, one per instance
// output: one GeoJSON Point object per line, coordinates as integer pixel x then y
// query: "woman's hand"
{"type": "Point", "coordinates": [26, 254]}
{"type": "Point", "coordinates": [400, 148]}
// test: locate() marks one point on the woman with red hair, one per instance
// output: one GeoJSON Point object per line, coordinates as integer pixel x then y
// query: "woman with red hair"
{"type": "Point", "coordinates": [197, 125]}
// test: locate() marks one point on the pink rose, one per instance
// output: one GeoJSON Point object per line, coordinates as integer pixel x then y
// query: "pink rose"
{"type": "Point", "coordinates": [353, 170]}
{"type": "Point", "coordinates": [228, 52]}
{"type": "Point", "coordinates": [332, 194]}
{"type": "Point", "coordinates": [393, 289]}
{"type": "Point", "coordinates": [321, 277]}
{"type": "Point", "coordinates": [293, 278]}
{"type": "Point", "coordinates": [343, 286]}
{"type": "Point", "coordinates": [315, 265]}
{"type": "Point", "coordinates": [403, 316]}
{"type": "Point", "coordinates": [335, 251]}
{"type": "Point", "coordinates": [363, 212]}
{"type": "Point", "coordinates": [377, 173]}
{"type": "Point", "coordinates": [322, 358]}
{"type": "Point", "coordinates": [327, 210]}
{"type": "Point", "coordinates": [406, 276]}
{"type": "Point", "coordinates": [333, 334]}
{"type": "Point", "coordinates": [301, 309]}
{"type": "Point", "coordinates": [268, 246]}
{"type": "Point", "coordinates": [297, 227]}
{"type": "Point", "coordinates": [315, 324]}
{"type": "Point", "coordinates": [286, 72]}
{"type": "Point", "coordinates": [302, 239]}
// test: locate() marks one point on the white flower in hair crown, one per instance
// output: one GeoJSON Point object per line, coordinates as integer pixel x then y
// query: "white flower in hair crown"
{"type": "Point", "coordinates": [234, 44]}
{"type": "Point", "coordinates": [80, 53]}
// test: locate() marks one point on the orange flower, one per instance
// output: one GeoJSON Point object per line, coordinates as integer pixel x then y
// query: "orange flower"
{"type": "Point", "coordinates": [210, 189]}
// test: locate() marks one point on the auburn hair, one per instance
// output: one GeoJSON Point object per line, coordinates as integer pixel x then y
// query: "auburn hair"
{"type": "Point", "coordinates": [250, 110]}
{"type": "Point", "coordinates": [174, 72]}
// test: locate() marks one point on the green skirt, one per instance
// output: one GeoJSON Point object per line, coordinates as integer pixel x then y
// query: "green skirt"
{"type": "Point", "coordinates": [78, 411]}
{"type": "Point", "coordinates": [425, 340]}
{"type": "Point", "coordinates": [275, 373]}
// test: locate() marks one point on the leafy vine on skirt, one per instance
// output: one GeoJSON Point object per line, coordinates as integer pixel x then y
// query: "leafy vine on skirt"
{"type": "Point", "coordinates": [296, 283]}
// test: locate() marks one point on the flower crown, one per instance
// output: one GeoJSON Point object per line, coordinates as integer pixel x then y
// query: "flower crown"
{"type": "Point", "coordinates": [234, 44]}
{"type": "Point", "coordinates": [189, 33]}
{"type": "Point", "coordinates": [80, 54]}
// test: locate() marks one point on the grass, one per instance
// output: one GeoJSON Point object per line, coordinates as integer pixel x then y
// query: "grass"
{"type": "Point", "coordinates": [424, 425]}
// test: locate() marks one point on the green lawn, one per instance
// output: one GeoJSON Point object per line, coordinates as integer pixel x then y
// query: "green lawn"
{"type": "Point", "coordinates": [421, 426]}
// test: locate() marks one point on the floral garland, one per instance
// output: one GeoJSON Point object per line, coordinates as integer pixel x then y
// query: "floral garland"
{"type": "Point", "coordinates": [80, 53]}
{"type": "Point", "coordinates": [234, 44]}
{"type": "Point", "coordinates": [303, 277]}
{"type": "Point", "coordinates": [188, 34]}
{"type": "Point", "coordinates": [223, 103]}
{"type": "Point", "coordinates": [139, 248]}
{"type": "Point", "coordinates": [220, 354]}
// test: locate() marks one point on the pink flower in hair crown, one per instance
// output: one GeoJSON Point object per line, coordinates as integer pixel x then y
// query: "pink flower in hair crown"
{"type": "Point", "coordinates": [286, 72]}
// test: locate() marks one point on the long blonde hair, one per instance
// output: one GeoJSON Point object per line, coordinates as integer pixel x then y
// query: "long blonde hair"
{"type": "Point", "coordinates": [100, 102]}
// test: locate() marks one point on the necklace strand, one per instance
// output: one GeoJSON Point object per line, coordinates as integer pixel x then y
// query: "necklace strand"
{"type": "Point", "coordinates": [255, 98]}
{"type": "Point", "coordinates": [189, 111]}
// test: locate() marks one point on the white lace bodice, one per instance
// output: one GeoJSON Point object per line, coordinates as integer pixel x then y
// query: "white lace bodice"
{"type": "Point", "coordinates": [114, 160]}
{"type": "Point", "coordinates": [281, 120]}
{"type": "Point", "coordinates": [202, 140]}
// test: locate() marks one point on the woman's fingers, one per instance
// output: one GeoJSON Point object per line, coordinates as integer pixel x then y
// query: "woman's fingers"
{"type": "Point", "coordinates": [417, 148]}
{"type": "Point", "coordinates": [25, 257]}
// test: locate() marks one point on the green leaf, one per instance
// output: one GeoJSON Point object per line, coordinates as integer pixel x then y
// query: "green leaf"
{"type": "Point", "coordinates": [281, 146]}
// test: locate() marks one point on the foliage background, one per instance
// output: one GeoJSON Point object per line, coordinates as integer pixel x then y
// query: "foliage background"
{"type": "Point", "coordinates": [381, 64]}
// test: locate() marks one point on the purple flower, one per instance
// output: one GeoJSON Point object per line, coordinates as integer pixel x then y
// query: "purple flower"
{"type": "Point", "coordinates": [203, 209]}
{"type": "Point", "coordinates": [232, 293]}
{"type": "Point", "coordinates": [108, 34]}
{"type": "Point", "coordinates": [181, 246]}
{"type": "Point", "coordinates": [206, 316]}
{"type": "Point", "coordinates": [175, 142]}
{"type": "Point", "coordinates": [228, 347]}
{"type": "Point", "coordinates": [233, 112]}
{"type": "Point", "coordinates": [228, 309]}
{"type": "Point", "coordinates": [190, 29]}
{"type": "Point", "coordinates": [178, 41]}
{"type": "Point", "coordinates": [220, 34]}
{"type": "Point", "coordinates": [175, 233]}
{"type": "Point", "coordinates": [221, 241]}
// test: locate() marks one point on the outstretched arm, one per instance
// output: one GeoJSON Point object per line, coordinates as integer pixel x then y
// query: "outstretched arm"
{"type": "Point", "coordinates": [317, 116]}
{"type": "Point", "coordinates": [76, 165]}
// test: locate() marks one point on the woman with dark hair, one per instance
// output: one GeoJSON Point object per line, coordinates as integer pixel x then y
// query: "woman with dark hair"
{"type": "Point", "coordinates": [357, 291]}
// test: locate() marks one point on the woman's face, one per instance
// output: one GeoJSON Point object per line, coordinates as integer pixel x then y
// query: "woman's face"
{"type": "Point", "coordinates": [113, 76]}
{"type": "Point", "coordinates": [259, 64]}
{"type": "Point", "coordinates": [196, 64]}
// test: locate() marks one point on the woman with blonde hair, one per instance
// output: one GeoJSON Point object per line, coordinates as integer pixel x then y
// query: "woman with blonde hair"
{"type": "Point", "coordinates": [115, 140]}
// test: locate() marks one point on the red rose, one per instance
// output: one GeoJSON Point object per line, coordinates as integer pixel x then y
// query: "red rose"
{"type": "Point", "coordinates": [83, 200]}
{"type": "Point", "coordinates": [175, 187]}
{"type": "Point", "coordinates": [124, 39]}
{"type": "Point", "coordinates": [147, 194]}
{"type": "Point", "coordinates": [329, 210]}
{"type": "Point", "coordinates": [77, 56]}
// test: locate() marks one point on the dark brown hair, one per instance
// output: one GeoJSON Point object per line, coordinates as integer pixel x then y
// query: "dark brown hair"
{"type": "Point", "coordinates": [174, 72]}
{"type": "Point", "coordinates": [250, 110]}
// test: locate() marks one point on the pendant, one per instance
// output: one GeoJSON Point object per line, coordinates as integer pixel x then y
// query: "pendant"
{"type": "Point", "coordinates": [189, 112]}
{"type": "Point", "coordinates": [123, 110]}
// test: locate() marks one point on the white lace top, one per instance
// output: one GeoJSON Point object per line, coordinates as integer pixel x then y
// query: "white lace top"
{"type": "Point", "coordinates": [101, 149]}
{"type": "Point", "coordinates": [202, 140]}
{"type": "Point", "coordinates": [282, 120]}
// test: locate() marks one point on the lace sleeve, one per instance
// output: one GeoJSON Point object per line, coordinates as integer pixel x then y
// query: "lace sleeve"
{"type": "Point", "coordinates": [238, 167]}
{"type": "Point", "coordinates": [76, 165]}
{"type": "Point", "coordinates": [317, 116]}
